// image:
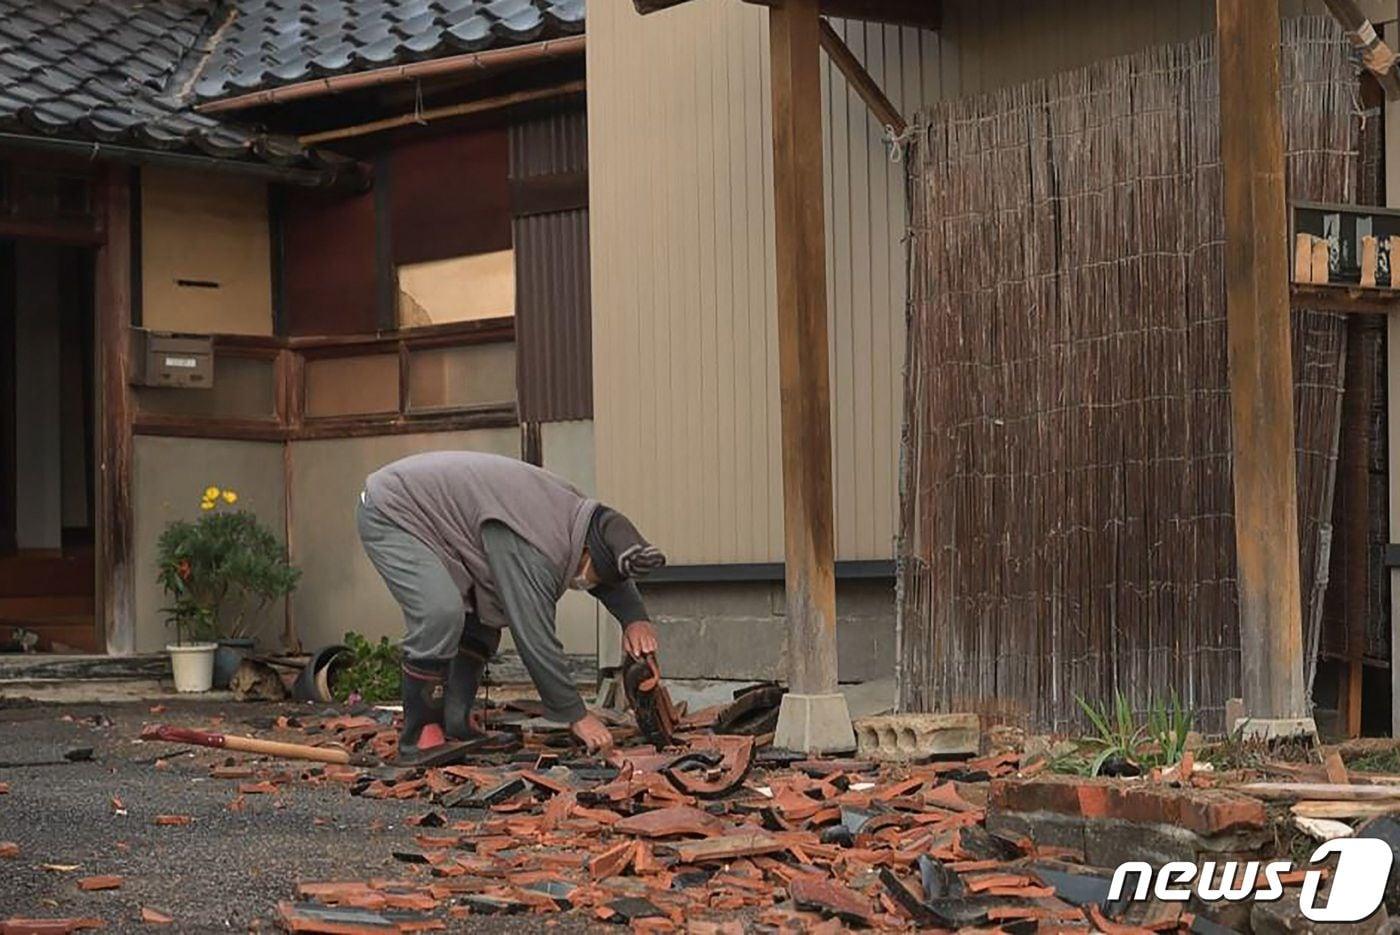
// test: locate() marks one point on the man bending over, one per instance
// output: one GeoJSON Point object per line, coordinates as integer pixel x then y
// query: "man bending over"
{"type": "Point", "coordinates": [469, 543]}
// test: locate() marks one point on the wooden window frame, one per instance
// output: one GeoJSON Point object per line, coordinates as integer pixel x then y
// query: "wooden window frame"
{"type": "Point", "coordinates": [291, 421]}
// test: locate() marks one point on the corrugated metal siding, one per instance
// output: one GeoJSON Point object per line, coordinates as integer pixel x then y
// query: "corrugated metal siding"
{"type": "Point", "coordinates": [685, 333]}
{"type": "Point", "coordinates": [552, 303]}
{"type": "Point", "coordinates": [549, 144]}
{"type": "Point", "coordinates": [552, 333]}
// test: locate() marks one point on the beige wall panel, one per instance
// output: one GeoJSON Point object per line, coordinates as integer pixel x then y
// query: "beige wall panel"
{"type": "Point", "coordinates": [244, 387]}
{"type": "Point", "coordinates": [686, 394]}
{"type": "Point", "coordinates": [568, 452]}
{"type": "Point", "coordinates": [463, 288]}
{"type": "Point", "coordinates": [472, 375]}
{"type": "Point", "coordinates": [343, 386]}
{"type": "Point", "coordinates": [168, 477]}
{"type": "Point", "coordinates": [340, 590]}
{"type": "Point", "coordinates": [204, 228]}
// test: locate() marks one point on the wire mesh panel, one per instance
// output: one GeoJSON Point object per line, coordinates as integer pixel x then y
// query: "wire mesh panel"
{"type": "Point", "coordinates": [1066, 506]}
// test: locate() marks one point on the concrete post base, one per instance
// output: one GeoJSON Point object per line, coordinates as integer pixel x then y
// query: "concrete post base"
{"type": "Point", "coordinates": [1263, 728]}
{"type": "Point", "coordinates": [815, 724]}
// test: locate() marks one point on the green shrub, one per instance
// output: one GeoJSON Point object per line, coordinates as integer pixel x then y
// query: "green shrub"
{"type": "Point", "coordinates": [374, 672]}
{"type": "Point", "coordinates": [221, 571]}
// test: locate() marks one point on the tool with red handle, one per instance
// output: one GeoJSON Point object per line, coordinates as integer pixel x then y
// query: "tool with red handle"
{"type": "Point", "coordinates": [285, 751]}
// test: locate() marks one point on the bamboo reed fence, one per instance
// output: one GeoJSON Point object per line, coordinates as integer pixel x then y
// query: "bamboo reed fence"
{"type": "Point", "coordinates": [1066, 502]}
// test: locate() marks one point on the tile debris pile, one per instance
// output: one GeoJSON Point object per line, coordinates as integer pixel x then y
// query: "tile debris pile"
{"type": "Point", "coordinates": [719, 834]}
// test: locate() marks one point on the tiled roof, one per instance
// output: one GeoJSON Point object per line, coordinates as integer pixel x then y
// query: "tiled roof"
{"type": "Point", "coordinates": [267, 43]}
{"type": "Point", "coordinates": [111, 71]}
{"type": "Point", "coordinates": [130, 72]}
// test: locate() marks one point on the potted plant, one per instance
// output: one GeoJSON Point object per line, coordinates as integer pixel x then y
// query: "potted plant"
{"type": "Point", "coordinates": [192, 653]}
{"type": "Point", "coordinates": [227, 567]}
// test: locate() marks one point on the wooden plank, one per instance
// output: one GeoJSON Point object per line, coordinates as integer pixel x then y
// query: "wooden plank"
{"type": "Point", "coordinates": [800, 252]}
{"type": "Point", "coordinates": [1326, 809]}
{"type": "Point", "coordinates": [8, 423]}
{"type": "Point", "coordinates": [1392, 370]}
{"type": "Point", "coordinates": [1260, 360]}
{"type": "Point", "coordinates": [1323, 791]}
{"type": "Point", "coordinates": [115, 411]}
{"type": "Point", "coordinates": [860, 80]}
{"type": "Point", "coordinates": [1336, 769]}
{"type": "Point", "coordinates": [39, 607]}
{"type": "Point", "coordinates": [1375, 54]}
{"type": "Point", "coordinates": [1356, 521]}
{"type": "Point", "coordinates": [728, 847]}
{"type": "Point", "coordinates": [1344, 299]}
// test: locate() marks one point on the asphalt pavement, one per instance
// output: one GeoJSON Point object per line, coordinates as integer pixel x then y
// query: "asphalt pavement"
{"type": "Point", "coordinates": [225, 870]}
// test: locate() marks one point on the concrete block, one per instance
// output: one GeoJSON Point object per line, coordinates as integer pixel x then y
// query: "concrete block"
{"type": "Point", "coordinates": [1285, 917]}
{"type": "Point", "coordinates": [1044, 828]}
{"type": "Point", "coordinates": [817, 724]}
{"type": "Point", "coordinates": [1207, 812]}
{"type": "Point", "coordinates": [915, 736]}
{"type": "Point", "coordinates": [1234, 711]}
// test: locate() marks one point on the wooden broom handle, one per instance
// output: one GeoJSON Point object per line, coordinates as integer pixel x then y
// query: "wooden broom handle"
{"type": "Point", "coordinates": [286, 751]}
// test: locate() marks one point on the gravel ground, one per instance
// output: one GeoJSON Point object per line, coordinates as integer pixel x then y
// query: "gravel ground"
{"type": "Point", "coordinates": [224, 872]}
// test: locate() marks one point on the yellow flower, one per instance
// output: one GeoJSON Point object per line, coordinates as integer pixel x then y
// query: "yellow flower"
{"type": "Point", "coordinates": [206, 504]}
{"type": "Point", "coordinates": [230, 496]}
{"type": "Point", "coordinates": [211, 493]}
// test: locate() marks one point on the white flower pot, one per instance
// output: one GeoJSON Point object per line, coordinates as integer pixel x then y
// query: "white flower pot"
{"type": "Point", "coordinates": [193, 665]}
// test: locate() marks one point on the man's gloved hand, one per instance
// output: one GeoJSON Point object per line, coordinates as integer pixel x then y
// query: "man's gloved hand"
{"type": "Point", "coordinates": [639, 639]}
{"type": "Point", "coordinates": [594, 734]}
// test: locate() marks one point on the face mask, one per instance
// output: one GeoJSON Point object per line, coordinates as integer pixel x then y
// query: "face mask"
{"type": "Point", "coordinates": [580, 583]}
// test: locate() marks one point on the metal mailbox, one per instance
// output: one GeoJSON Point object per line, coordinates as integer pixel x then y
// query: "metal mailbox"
{"type": "Point", "coordinates": [184, 361]}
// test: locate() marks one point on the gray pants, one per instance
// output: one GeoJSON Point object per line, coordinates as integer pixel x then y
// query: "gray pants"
{"type": "Point", "coordinates": [436, 621]}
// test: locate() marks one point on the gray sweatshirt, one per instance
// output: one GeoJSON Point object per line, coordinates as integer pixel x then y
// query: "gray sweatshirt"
{"type": "Point", "coordinates": [444, 497]}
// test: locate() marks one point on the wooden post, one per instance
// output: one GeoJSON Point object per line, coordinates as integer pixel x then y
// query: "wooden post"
{"type": "Point", "coordinates": [112, 300]}
{"type": "Point", "coordinates": [1261, 377]}
{"type": "Point", "coordinates": [1392, 413]}
{"type": "Point", "coordinates": [1355, 529]}
{"type": "Point", "coordinates": [794, 35]}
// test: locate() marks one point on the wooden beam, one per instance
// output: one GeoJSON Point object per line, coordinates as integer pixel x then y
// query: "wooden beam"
{"type": "Point", "coordinates": [923, 14]}
{"type": "Point", "coordinates": [1356, 520]}
{"type": "Point", "coordinates": [860, 80]}
{"type": "Point", "coordinates": [115, 409]}
{"type": "Point", "coordinates": [1375, 54]}
{"type": "Point", "coordinates": [481, 106]}
{"type": "Point", "coordinates": [794, 36]}
{"type": "Point", "coordinates": [1260, 360]}
{"type": "Point", "coordinates": [1344, 299]}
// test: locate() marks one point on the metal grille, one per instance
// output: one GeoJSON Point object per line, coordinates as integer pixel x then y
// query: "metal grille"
{"type": "Point", "coordinates": [1066, 502]}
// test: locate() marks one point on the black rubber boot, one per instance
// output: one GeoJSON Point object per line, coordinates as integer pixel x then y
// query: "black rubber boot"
{"type": "Point", "coordinates": [423, 710]}
{"type": "Point", "coordinates": [463, 681]}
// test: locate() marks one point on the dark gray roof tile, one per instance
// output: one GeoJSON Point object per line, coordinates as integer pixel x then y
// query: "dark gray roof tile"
{"type": "Point", "coordinates": [114, 71]}
{"type": "Point", "coordinates": [108, 71]}
{"type": "Point", "coordinates": [265, 45]}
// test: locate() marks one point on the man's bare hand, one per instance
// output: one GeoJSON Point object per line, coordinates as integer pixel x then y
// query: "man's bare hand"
{"type": "Point", "coordinates": [639, 639]}
{"type": "Point", "coordinates": [594, 734]}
